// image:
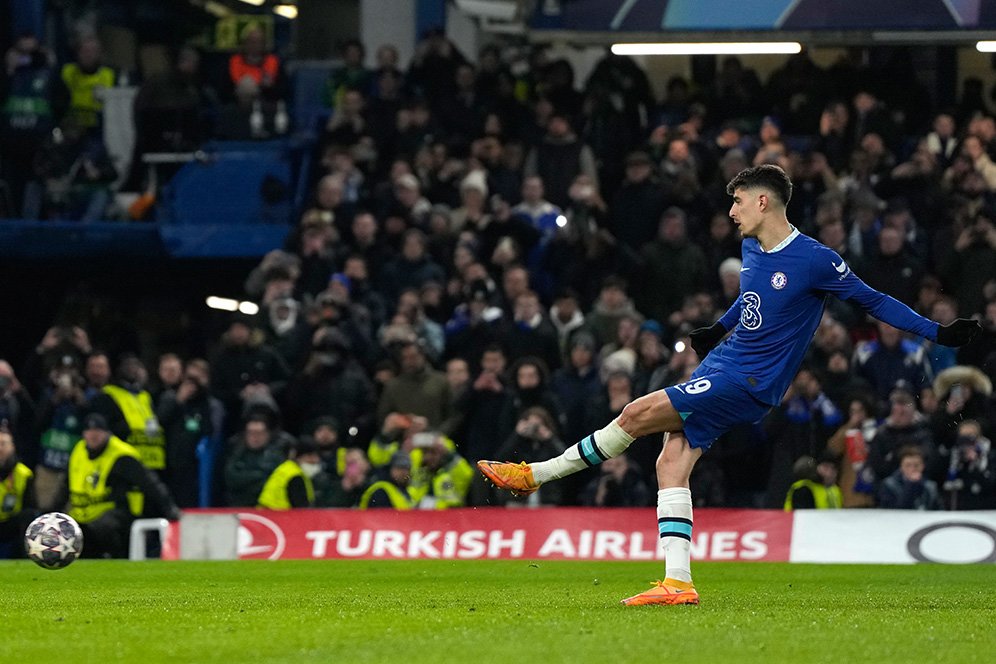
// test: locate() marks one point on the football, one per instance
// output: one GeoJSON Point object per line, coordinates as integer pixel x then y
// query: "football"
{"type": "Point", "coordinates": [53, 540]}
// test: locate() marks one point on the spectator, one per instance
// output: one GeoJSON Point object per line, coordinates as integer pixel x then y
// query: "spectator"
{"type": "Point", "coordinates": [392, 490]}
{"type": "Point", "coordinates": [174, 111]}
{"type": "Point", "coordinates": [16, 496]}
{"type": "Point", "coordinates": [972, 265]}
{"type": "Point", "coordinates": [529, 387]}
{"type": "Point", "coordinates": [252, 457]}
{"type": "Point", "coordinates": [331, 384]}
{"type": "Point", "coordinates": [673, 267]}
{"type": "Point", "coordinates": [534, 437]}
{"type": "Point", "coordinates": [107, 487]}
{"type": "Point", "coordinates": [77, 173]}
{"type": "Point", "coordinates": [612, 306]}
{"type": "Point", "coordinates": [245, 371]}
{"type": "Point", "coordinates": [970, 483]}
{"type": "Point", "coordinates": [418, 389]}
{"type": "Point", "coordinates": [618, 485]}
{"type": "Point", "coordinates": [577, 383]}
{"type": "Point", "coordinates": [347, 489]}
{"type": "Point", "coordinates": [894, 271]}
{"type": "Point", "coordinates": [530, 333]}
{"type": "Point", "coordinates": [60, 414]}
{"type": "Point", "coordinates": [816, 486]}
{"type": "Point", "coordinates": [637, 206]}
{"type": "Point", "coordinates": [904, 428]}
{"type": "Point", "coordinates": [559, 158]}
{"type": "Point", "coordinates": [250, 116]}
{"type": "Point", "coordinates": [541, 213]}
{"type": "Point", "coordinates": [86, 79]}
{"type": "Point", "coordinates": [33, 100]}
{"type": "Point", "coordinates": [190, 418]}
{"type": "Point", "coordinates": [352, 75]}
{"type": "Point", "coordinates": [289, 485]}
{"type": "Point", "coordinates": [17, 408]}
{"type": "Point", "coordinates": [566, 317]}
{"type": "Point", "coordinates": [907, 488]}
{"type": "Point", "coordinates": [482, 405]}
{"type": "Point", "coordinates": [891, 359]}
{"type": "Point", "coordinates": [942, 141]}
{"type": "Point", "coordinates": [97, 373]}
{"type": "Point", "coordinates": [441, 477]}
{"type": "Point", "coordinates": [169, 375]}
{"type": "Point", "coordinates": [963, 393]}
{"type": "Point", "coordinates": [255, 64]}
{"type": "Point", "coordinates": [840, 384]}
{"type": "Point", "coordinates": [850, 445]}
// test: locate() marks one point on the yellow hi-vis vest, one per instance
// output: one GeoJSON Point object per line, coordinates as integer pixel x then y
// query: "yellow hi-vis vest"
{"type": "Point", "coordinates": [400, 500]}
{"type": "Point", "coordinates": [825, 498]}
{"type": "Point", "coordinates": [84, 104]}
{"type": "Point", "coordinates": [274, 493]}
{"type": "Point", "coordinates": [145, 435]}
{"type": "Point", "coordinates": [89, 495]}
{"type": "Point", "coordinates": [12, 491]}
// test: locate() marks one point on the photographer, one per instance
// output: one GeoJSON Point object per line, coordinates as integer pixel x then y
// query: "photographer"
{"type": "Point", "coordinates": [963, 392]}
{"type": "Point", "coordinates": [971, 480]}
{"type": "Point", "coordinates": [58, 421]}
{"type": "Point", "coordinates": [17, 408]}
{"type": "Point", "coordinates": [535, 437]}
{"type": "Point", "coordinates": [970, 265]}
{"type": "Point", "coordinates": [332, 384]}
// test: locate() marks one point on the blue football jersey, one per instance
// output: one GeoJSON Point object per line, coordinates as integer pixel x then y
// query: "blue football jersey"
{"type": "Point", "coordinates": [782, 296]}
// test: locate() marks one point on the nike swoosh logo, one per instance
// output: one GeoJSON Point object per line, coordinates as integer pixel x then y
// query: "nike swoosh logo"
{"type": "Point", "coordinates": [744, 269]}
{"type": "Point", "coordinates": [842, 268]}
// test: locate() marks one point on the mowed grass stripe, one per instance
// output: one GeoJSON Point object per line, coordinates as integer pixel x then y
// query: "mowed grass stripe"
{"type": "Point", "coordinates": [477, 611]}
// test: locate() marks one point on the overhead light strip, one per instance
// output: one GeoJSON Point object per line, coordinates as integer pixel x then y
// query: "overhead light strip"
{"type": "Point", "coordinates": [986, 47]}
{"type": "Point", "coordinates": [707, 48]}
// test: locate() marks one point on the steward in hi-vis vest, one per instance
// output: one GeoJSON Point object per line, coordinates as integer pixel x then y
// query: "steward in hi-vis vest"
{"type": "Point", "coordinates": [127, 406]}
{"type": "Point", "coordinates": [393, 490]}
{"type": "Point", "coordinates": [289, 486]}
{"type": "Point", "coordinates": [108, 488]}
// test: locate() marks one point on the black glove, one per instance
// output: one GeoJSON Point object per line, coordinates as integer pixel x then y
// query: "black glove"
{"type": "Point", "coordinates": [704, 339]}
{"type": "Point", "coordinates": [958, 332]}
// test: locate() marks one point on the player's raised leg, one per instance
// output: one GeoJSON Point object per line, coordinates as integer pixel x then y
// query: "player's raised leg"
{"type": "Point", "coordinates": [651, 413]}
{"type": "Point", "coordinates": [674, 522]}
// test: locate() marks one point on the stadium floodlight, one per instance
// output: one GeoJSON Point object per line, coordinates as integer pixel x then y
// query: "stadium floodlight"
{"type": "Point", "coordinates": [287, 11]}
{"type": "Point", "coordinates": [986, 46]}
{"type": "Point", "coordinates": [707, 48]}
{"type": "Point", "coordinates": [257, 3]}
{"type": "Point", "coordinates": [223, 303]}
{"type": "Point", "coordinates": [248, 308]}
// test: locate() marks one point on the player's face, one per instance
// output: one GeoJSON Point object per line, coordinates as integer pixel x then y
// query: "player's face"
{"type": "Point", "coordinates": [746, 212]}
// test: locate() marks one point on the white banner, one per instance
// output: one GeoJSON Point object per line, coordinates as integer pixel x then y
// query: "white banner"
{"type": "Point", "coordinates": [893, 536]}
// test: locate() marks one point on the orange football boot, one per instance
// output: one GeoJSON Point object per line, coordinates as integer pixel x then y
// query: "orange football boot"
{"type": "Point", "coordinates": [515, 477]}
{"type": "Point", "coordinates": [668, 591]}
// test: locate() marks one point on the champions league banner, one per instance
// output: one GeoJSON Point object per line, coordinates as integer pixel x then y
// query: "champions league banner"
{"type": "Point", "coordinates": [809, 536]}
{"type": "Point", "coordinates": [764, 15]}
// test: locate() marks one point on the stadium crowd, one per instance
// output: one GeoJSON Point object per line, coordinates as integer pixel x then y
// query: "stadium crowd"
{"type": "Point", "coordinates": [492, 264]}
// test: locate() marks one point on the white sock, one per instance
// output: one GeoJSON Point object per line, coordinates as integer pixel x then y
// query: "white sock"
{"type": "Point", "coordinates": [604, 444]}
{"type": "Point", "coordinates": [674, 520]}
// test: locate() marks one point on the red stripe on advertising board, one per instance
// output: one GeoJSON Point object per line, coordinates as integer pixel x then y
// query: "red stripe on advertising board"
{"type": "Point", "coordinates": [493, 533]}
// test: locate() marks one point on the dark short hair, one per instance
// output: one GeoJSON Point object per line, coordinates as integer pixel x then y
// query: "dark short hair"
{"type": "Point", "coordinates": [765, 176]}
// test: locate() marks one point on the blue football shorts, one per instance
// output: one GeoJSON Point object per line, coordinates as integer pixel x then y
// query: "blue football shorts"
{"type": "Point", "coordinates": [711, 404]}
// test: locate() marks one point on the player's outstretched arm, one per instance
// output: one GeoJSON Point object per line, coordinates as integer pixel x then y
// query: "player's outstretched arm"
{"type": "Point", "coordinates": [830, 274]}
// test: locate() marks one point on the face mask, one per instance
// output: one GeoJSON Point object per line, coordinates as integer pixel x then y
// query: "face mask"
{"type": "Point", "coordinates": [310, 469]}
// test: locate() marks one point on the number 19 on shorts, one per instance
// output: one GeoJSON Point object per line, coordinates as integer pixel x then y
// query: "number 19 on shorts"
{"type": "Point", "coordinates": [695, 387]}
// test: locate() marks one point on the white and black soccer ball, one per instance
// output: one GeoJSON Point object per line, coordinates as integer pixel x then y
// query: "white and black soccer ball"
{"type": "Point", "coordinates": [53, 540]}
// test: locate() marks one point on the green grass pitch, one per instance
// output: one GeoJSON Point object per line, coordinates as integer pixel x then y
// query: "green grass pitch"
{"type": "Point", "coordinates": [494, 611]}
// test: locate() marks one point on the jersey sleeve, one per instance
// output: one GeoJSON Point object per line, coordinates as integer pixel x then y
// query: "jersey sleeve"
{"type": "Point", "coordinates": [830, 274]}
{"type": "Point", "coordinates": [730, 319]}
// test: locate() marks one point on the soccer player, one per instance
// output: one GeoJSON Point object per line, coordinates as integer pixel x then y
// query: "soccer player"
{"type": "Point", "coordinates": [784, 282]}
